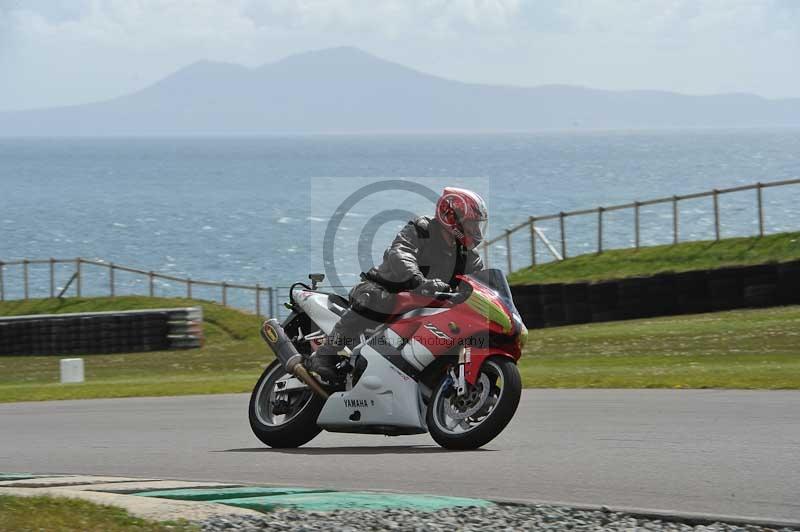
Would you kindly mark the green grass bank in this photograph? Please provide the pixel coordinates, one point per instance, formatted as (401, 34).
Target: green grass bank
(687, 256)
(57, 514)
(232, 358)
(758, 349)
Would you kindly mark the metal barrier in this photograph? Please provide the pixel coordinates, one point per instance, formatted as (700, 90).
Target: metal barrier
(269, 300)
(598, 212)
(80, 265)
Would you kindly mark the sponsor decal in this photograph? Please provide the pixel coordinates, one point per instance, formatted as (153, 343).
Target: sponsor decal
(271, 333)
(436, 331)
(454, 328)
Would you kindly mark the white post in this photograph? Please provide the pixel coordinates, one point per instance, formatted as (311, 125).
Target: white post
(71, 370)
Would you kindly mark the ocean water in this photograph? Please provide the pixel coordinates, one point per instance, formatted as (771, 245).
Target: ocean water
(256, 209)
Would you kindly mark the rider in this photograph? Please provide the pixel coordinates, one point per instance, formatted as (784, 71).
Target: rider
(425, 256)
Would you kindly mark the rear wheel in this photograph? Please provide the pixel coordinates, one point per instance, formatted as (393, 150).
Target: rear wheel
(475, 418)
(283, 419)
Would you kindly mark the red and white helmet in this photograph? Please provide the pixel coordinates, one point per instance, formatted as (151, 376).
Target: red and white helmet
(463, 214)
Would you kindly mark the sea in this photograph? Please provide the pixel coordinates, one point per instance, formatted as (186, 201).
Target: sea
(272, 209)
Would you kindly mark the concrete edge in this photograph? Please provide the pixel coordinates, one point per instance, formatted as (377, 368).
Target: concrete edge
(688, 518)
(144, 507)
(170, 509)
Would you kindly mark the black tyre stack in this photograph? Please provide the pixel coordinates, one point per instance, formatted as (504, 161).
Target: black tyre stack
(762, 285)
(576, 303)
(788, 285)
(551, 297)
(603, 300)
(692, 294)
(102, 332)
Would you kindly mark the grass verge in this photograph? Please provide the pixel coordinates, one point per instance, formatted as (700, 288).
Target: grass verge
(758, 349)
(231, 360)
(750, 349)
(687, 256)
(57, 514)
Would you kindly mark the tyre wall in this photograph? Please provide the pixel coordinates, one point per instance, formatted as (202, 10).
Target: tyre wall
(669, 294)
(102, 332)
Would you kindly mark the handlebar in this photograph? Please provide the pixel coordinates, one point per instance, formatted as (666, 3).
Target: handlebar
(445, 295)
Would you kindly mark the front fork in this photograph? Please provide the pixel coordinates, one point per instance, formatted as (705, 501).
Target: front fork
(459, 374)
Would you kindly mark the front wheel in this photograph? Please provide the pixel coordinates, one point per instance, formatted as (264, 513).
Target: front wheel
(474, 419)
(283, 419)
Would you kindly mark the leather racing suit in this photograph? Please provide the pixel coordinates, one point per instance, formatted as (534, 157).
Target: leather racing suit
(420, 251)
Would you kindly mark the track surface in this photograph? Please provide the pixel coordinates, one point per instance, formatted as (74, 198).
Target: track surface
(706, 451)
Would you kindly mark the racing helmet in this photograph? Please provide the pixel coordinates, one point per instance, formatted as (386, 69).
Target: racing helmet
(463, 214)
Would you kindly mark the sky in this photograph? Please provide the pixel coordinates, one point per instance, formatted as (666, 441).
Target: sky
(63, 52)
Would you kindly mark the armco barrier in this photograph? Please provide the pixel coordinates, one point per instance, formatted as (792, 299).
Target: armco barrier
(102, 332)
(666, 294)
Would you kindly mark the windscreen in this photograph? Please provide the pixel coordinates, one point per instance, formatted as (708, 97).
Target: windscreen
(494, 279)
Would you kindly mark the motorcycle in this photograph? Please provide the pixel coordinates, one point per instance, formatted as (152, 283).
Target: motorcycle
(444, 364)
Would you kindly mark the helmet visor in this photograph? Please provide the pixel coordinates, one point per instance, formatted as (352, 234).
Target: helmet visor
(474, 231)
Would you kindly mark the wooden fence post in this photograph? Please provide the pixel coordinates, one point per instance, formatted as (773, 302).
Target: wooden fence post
(486, 256)
(189, 288)
(52, 278)
(674, 219)
(532, 220)
(224, 294)
(600, 229)
(258, 300)
(759, 186)
(563, 235)
(152, 283)
(25, 278)
(716, 213)
(78, 282)
(271, 302)
(111, 278)
(637, 230)
(2, 287)
(508, 250)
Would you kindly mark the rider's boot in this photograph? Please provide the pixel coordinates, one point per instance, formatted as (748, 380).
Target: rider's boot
(345, 333)
(324, 360)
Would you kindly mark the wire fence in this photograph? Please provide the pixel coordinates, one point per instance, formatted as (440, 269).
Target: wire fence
(536, 238)
(56, 278)
(28, 278)
(87, 277)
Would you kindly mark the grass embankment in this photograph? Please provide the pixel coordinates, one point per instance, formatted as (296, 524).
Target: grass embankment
(231, 360)
(757, 349)
(736, 349)
(686, 256)
(67, 515)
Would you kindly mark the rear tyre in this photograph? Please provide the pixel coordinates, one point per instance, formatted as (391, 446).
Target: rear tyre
(477, 417)
(294, 428)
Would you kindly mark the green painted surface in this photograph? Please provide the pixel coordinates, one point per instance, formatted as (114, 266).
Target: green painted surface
(352, 500)
(221, 494)
(20, 476)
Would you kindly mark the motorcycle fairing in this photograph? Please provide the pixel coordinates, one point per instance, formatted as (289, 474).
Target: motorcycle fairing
(385, 400)
(318, 306)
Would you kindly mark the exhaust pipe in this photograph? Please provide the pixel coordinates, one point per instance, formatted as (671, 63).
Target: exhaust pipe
(276, 338)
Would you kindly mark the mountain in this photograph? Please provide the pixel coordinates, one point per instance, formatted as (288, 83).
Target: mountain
(348, 90)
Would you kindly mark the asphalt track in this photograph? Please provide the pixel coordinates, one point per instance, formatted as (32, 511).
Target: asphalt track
(700, 451)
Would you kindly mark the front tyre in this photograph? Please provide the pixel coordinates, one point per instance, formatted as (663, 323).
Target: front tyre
(284, 421)
(477, 417)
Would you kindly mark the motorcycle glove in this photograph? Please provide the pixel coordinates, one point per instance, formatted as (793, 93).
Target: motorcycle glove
(429, 287)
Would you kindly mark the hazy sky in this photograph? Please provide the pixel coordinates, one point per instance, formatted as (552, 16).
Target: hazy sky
(55, 52)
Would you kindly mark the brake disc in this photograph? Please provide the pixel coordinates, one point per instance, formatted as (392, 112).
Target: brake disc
(467, 405)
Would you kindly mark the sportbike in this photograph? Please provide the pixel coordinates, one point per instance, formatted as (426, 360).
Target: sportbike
(445, 364)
